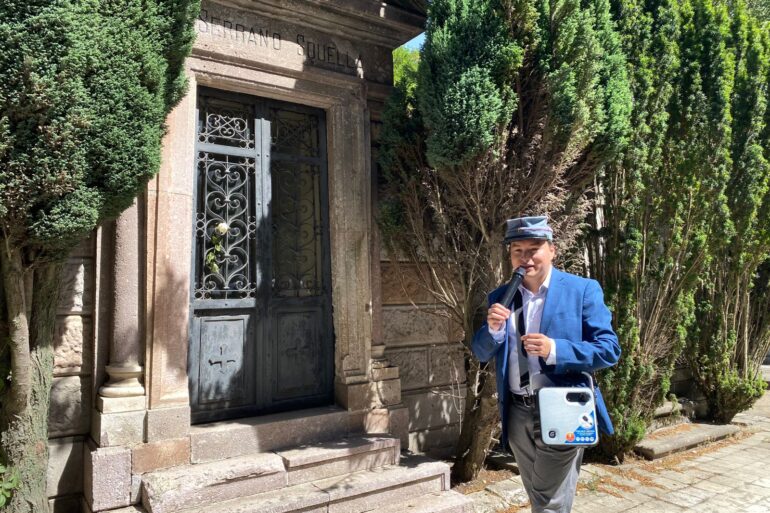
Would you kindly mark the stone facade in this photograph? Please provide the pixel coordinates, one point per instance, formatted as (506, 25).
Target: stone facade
(120, 404)
(72, 389)
(426, 346)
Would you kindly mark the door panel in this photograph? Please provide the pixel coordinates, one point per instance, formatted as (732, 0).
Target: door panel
(225, 362)
(298, 359)
(261, 330)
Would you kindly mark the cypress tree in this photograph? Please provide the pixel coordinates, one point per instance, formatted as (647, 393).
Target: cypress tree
(86, 89)
(636, 241)
(730, 338)
(692, 179)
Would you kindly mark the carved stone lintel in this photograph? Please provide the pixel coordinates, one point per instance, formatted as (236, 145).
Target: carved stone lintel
(123, 381)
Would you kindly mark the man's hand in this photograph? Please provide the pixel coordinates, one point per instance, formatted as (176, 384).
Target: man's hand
(537, 344)
(496, 316)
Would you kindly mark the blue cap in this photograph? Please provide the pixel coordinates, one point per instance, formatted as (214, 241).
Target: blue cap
(533, 227)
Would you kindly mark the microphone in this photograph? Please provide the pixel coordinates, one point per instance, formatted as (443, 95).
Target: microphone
(516, 278)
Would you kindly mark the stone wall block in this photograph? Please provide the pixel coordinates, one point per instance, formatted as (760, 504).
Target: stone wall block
(73, 336)
(70, 408)
(407, 325)
(158, 455)
(353, 396)
(399, 424)
(439, 442)
(447, 364)
(107, 483)
(435, 408)
(113, 429)
(401, 285)
(121, 404)
(377, 421)
(412, 366)
(368, 395)
(455, 330)
(77, 290)
(386, 392)
(393, 420)
(383, 373)
(168, 423)
(65, 466)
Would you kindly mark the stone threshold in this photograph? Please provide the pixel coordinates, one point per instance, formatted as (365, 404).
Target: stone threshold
(266, 433)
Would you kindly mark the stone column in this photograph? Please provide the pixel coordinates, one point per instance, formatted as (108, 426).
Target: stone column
(120, 415)
(350, 222)
(125, 370)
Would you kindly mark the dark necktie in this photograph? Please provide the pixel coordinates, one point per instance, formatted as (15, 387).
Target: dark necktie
(522, 357)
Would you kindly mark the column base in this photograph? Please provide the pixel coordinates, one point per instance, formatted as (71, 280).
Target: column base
(121, 404)
(368, 395)
(393, 420)
(123, 381)
(116, 429)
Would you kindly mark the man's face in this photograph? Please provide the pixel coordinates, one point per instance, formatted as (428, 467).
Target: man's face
(535, 255)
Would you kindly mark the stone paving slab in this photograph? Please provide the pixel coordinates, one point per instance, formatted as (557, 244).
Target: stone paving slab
(730, 476)
(485, 502)
(511, 491)
(437, 502)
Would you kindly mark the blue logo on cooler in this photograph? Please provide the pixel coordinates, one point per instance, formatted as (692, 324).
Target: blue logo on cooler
(585, 432)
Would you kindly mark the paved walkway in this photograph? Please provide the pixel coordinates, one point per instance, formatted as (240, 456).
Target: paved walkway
(731, 476)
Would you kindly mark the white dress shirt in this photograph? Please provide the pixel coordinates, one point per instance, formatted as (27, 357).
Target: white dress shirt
(532, 304)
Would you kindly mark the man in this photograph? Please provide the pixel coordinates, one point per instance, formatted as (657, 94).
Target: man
(561, 328)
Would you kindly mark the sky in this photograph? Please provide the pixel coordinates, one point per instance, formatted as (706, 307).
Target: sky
(415, 43)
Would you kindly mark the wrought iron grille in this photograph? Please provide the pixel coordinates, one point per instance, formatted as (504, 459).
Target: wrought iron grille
(225, 214)
(296, 204)
(221, 124)
(294, 133)
(296, 230)
(225, 227)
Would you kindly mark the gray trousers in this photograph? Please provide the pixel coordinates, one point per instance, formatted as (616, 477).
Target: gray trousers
(549, 473)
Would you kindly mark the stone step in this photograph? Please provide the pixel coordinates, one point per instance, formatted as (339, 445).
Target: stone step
(670, 413)
(679, 438)
(667, 408)
(435, 502)
(180, 487)
(177, 488)
(353, 493)
(311, 463)
(233, 438)
(367, 490)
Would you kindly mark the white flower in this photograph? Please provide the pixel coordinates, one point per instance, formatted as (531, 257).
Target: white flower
(222, 228)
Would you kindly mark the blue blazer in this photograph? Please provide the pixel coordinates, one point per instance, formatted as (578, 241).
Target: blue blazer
(576, 317)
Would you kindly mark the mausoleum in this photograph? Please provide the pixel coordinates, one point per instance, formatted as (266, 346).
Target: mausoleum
(236, 341)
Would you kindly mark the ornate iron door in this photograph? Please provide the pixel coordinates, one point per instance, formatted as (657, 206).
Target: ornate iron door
(261, 330)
